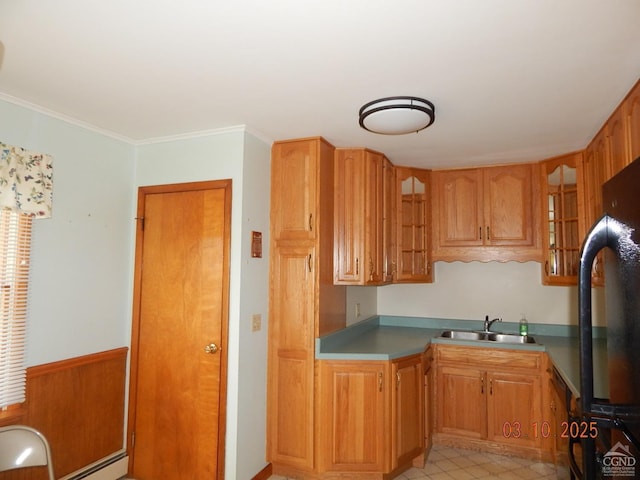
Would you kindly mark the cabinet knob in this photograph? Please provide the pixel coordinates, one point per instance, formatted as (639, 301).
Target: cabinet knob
(211, 348)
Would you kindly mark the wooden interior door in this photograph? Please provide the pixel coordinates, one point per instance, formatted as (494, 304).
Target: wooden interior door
(178, 375)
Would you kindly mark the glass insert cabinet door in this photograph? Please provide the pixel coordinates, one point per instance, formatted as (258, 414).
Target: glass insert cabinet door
(414, 213)
(562, 220)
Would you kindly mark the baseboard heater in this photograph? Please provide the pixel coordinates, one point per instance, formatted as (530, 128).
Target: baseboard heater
(111, 467)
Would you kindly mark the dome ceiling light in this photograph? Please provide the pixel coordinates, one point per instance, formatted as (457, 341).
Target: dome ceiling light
(397, 115)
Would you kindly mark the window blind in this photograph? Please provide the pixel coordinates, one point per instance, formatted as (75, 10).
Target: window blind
(15, 247)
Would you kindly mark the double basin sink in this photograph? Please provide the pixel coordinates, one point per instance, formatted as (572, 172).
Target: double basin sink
(487, 336)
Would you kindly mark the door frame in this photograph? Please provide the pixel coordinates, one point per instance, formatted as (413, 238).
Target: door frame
(135, 324)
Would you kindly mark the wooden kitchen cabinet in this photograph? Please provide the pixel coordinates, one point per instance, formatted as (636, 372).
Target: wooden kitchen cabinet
(557, 417)
(407, 404)
(303, 302)
(462, 404)
(360, 227)
(372, 415)
(616, 131)
(294, 210)
(413, 225)
(389, 224)
(489, 399)
(596, 172)
(514, 408)
(429, 403)
(291, 357)
(354, 407)
(488, 213)
(562, 218)
(632, 116)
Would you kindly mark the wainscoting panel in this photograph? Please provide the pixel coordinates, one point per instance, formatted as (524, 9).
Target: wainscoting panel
(78, 404)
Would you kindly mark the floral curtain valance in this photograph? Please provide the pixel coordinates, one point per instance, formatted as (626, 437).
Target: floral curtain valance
(26, 181)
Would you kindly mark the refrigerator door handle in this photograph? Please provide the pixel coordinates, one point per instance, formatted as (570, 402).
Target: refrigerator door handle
(607, 232)
(596, 240)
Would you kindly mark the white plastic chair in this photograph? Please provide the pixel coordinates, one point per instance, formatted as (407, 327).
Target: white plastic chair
(21, 447)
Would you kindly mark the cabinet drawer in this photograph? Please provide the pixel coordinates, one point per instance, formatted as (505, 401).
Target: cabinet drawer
(489, 357)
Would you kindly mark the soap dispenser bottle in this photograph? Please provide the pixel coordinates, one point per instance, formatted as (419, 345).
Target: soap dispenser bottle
(524, 326)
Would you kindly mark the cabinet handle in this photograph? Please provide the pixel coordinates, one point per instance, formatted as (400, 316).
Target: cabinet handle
(357, 267)
(371, 272)
(482, 384)
(311, 222)
(379, 381)
(397, 380)
(480, 233)
(488, 233)
(309, 262)
(491, 386)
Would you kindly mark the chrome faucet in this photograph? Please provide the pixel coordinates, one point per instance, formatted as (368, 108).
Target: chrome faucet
(488, 323)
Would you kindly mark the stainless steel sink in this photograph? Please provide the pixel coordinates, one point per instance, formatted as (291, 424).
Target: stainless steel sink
(487, 336)
(510, 338)
(463, 335)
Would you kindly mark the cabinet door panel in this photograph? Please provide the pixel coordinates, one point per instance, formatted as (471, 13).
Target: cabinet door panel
(460, 217)
(408, 408)
(508, 205)
(358, 217)
(619, 157)
(291, 363)
(293, 212)
(596, 173)
(413, 214)
(514, 414)
(461, 402)
(633, 122)
(388, 221)
(562, 218)
(349, 187)
(353, 405)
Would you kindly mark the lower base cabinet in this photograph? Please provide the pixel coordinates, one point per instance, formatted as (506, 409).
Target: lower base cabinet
(490, 399)
(372, 416)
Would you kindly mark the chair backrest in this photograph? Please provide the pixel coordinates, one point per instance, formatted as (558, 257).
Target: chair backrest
(21, 447)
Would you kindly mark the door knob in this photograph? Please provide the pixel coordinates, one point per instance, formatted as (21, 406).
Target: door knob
(211, 348)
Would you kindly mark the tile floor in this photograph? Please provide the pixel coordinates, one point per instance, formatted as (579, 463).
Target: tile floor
(446, 463)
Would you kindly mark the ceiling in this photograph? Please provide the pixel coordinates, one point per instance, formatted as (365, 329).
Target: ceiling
(511, 80)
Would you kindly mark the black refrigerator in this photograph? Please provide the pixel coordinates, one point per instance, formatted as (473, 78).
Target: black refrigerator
(610, 428)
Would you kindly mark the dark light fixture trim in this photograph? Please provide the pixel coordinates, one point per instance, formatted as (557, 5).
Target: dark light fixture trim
(397, 115)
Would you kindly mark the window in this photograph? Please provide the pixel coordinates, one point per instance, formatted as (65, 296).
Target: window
(15, 246)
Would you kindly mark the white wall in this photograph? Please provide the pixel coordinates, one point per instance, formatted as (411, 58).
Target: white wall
(82, 256)
(245, 160)
(250, 448)
(472, 290)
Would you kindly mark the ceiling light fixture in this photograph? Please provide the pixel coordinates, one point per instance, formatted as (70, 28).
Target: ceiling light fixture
(397, 115)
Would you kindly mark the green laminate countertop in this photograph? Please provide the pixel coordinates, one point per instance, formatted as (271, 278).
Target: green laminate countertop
(390, 337)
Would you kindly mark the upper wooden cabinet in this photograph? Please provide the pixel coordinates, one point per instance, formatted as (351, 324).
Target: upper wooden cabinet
(562, 218)
(294, 211)
(616, 132)
(596, 172)
(413, 226)
(360, 223)
(632, 114)
(487, 213)
(623, 132)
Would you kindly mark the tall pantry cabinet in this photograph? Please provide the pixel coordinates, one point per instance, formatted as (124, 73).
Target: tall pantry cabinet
(303, 302)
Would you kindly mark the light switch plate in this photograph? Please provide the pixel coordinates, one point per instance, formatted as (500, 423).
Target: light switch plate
(256, 322)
